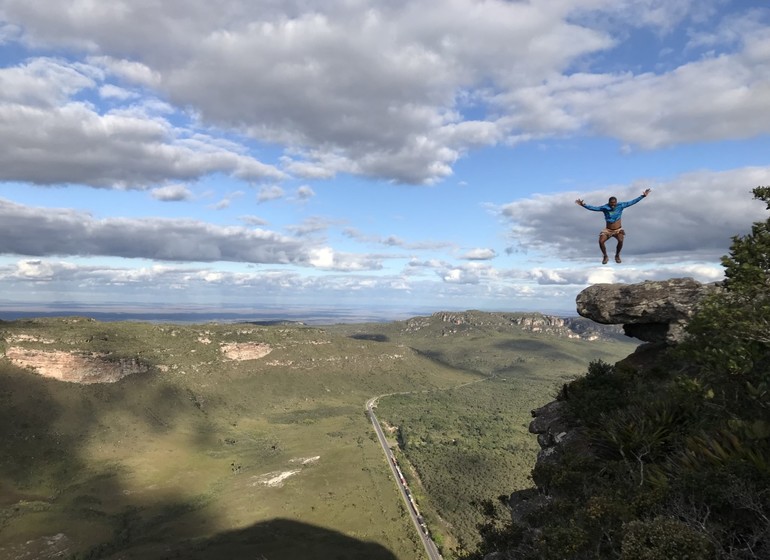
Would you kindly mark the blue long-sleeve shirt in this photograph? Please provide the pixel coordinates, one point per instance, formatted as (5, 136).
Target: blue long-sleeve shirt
(612, 215)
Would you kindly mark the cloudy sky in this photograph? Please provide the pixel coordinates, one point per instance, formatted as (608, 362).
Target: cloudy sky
(370, 154)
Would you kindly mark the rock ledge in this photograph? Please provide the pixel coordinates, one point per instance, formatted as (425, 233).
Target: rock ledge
(652, 311)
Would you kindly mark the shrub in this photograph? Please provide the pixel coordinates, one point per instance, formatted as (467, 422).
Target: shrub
(557, 542)
(603, 390)
(663, 538)
(638, 433)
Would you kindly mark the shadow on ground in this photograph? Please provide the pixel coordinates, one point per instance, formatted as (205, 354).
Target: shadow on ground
(371, 336)
(56, 502)
(277, 539)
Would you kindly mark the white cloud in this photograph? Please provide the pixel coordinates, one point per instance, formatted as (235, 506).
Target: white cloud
(310, 226)
(226, 201)
(171, 193)
(729, 32)
(471, 273)
(395, 241)
(51, 139)
(326, 258)
(545, 276)
(459, 276)
(131, 71)
(367, 88)
(378, 89)
(416, 266)
(156, 96)
(479, 254)
(73, 144)
(322, 257)
(715, 98)
(268, 193)
(153, 282)
(8, 33)
(41, 83)
(690, 217)
(305, 192)
(46, 231)
(110, 91)
(253, 220)
(660, 15)
(606, 274)
(34, 270)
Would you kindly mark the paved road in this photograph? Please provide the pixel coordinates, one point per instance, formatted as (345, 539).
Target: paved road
(430, 546)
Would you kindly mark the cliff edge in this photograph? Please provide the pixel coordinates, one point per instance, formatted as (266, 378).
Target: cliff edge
(655, 312)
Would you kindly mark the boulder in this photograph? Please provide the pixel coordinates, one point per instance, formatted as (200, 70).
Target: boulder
(556, 435)
(653, 311)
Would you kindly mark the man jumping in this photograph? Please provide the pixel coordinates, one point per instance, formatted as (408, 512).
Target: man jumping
(613, 210)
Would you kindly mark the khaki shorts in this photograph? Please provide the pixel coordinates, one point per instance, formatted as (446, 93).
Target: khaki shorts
(611, 232)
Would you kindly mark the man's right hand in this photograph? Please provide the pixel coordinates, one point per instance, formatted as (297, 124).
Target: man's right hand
(579, 202)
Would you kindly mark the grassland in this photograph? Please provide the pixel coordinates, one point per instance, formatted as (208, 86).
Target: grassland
(205, 457)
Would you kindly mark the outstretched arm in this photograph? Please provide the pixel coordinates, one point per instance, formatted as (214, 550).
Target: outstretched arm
(634, 201)
(580, 202)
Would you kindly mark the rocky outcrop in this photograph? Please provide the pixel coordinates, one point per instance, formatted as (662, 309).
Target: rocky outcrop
(652, 311)
(75, 367)
(245, 350)
(464, 322)
(556, 436)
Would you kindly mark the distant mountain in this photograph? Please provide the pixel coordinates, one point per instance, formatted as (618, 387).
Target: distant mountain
(446, 323)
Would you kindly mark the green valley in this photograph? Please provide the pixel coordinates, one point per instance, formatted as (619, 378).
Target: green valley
(248, 440)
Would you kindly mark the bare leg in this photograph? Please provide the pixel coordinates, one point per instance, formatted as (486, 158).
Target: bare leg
(619, 247)
(602, 239)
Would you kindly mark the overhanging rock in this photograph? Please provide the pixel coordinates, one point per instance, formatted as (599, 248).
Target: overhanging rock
(652, 311)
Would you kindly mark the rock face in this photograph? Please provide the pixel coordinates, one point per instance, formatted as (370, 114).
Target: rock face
(652, 311)
(75, 367)
(556, 436)
(245, 350)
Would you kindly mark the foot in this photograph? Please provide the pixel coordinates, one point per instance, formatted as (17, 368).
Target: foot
(605, 259)
(617, 259)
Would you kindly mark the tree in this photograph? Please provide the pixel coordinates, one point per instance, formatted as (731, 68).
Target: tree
(740, 312)
(747, 268)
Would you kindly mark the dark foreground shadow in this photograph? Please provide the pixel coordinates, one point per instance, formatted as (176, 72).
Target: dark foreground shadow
(278, 539)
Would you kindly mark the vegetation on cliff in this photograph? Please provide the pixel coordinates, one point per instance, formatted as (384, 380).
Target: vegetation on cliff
(676, 462)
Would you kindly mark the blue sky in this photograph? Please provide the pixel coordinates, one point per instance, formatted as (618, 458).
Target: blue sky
(372, 155)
